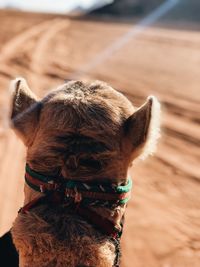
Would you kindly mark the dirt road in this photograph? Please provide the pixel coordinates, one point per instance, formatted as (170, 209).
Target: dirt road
(163, 218)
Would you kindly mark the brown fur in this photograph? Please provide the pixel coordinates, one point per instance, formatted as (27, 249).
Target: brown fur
(82, 131)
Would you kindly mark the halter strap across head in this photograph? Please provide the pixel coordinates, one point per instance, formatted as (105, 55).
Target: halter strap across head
(89, 191)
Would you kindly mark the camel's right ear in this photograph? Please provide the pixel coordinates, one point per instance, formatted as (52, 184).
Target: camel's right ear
(25, 110)
(142, 128)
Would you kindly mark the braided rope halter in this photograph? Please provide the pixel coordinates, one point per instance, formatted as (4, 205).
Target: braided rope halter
(80, 197)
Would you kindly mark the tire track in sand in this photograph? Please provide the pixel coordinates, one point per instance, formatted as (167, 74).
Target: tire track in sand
(38, 56)
(13, 155)
(17, 42)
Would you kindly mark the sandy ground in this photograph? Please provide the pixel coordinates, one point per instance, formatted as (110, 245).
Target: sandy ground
(163, 218)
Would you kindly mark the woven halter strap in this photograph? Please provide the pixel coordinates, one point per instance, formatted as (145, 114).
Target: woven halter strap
(89, 193)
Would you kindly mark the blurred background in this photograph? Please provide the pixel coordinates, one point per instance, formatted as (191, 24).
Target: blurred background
(140, 47)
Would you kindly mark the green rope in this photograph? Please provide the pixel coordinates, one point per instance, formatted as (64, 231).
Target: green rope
(124, 188)
(41, 177)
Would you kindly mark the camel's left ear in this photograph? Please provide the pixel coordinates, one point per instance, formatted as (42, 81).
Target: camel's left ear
(25, 110)
(142, 129)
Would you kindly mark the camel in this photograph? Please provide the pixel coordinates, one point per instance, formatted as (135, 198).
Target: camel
(81, 140)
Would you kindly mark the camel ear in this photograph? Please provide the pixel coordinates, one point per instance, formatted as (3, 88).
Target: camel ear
(142, 129)
(25, 110)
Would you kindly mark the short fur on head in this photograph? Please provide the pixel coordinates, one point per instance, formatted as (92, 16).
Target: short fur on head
(85, 131)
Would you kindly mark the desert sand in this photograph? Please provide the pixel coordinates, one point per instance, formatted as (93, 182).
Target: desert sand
(163, 218)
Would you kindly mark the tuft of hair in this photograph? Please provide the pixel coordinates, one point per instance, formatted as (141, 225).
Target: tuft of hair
(13, 84)
(6, 111)
(154, 129)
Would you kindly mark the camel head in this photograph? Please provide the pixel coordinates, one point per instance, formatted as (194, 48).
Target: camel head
(84, 131)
